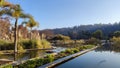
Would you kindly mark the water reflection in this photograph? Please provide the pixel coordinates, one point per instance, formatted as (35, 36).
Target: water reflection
(23, 56)
(38, 53)
(30, 54)
(107, 56)
(100, 63)
(111, 48)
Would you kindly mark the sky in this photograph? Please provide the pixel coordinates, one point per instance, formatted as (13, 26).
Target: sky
(67, 13)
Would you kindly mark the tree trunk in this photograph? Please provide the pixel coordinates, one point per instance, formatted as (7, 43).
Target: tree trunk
(15, 36)
(31, 34)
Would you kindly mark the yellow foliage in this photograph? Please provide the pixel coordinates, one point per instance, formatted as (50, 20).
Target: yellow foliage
(16, 14)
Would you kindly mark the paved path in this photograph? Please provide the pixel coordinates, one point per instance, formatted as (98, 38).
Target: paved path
(65, 58)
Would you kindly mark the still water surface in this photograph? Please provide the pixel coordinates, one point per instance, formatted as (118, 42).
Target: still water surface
(98, 58)
(31, 54)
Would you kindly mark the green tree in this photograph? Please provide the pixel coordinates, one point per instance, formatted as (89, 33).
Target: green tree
(98, 34)
(117, 34)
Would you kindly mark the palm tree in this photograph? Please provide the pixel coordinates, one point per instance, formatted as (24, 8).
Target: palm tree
(16, 15)
(13, 11)
(4, 3)
(31, 23)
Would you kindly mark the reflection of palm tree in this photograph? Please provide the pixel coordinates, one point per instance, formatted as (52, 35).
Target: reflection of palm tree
(99, 63)
(34, 54)
(15, 56)
(18, 57)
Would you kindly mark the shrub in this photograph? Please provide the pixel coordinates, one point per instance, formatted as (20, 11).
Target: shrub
(50, 58)
(69, 51)
(34, 43)
(39, 62)
(93, 41)
(20, 49)
(28, 64)
(46, 44)
(7, 66)
(116, 42)
(25, 43)
(6, 45)
(75, 50)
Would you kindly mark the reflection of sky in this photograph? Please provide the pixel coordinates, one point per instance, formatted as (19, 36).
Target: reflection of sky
(93, 59)
(58, 49)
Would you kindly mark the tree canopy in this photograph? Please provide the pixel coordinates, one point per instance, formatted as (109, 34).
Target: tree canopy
(117, 33)
(97, 34)
(61, 37)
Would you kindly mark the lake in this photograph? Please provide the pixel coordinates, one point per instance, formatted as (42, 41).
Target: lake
(102, 57)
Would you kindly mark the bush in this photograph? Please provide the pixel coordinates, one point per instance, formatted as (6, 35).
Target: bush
(28, 64)
(6, 45)
(93, 41)
(7, 66)
(116, 42)
(25, 43)
(69, 51)
(50, 58)
(34, 43)
(75, 50)
(20, 49)
(46, 44)
(37, 62)
(60, 55)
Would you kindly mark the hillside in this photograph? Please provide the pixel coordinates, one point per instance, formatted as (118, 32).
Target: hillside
(85, 31)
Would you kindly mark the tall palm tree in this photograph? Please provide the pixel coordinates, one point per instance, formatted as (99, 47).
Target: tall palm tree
(13, 11)
(4, 3)
(31, 23)
(16, 15)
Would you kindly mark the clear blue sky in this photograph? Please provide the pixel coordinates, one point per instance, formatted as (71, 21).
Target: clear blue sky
(67, 13)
